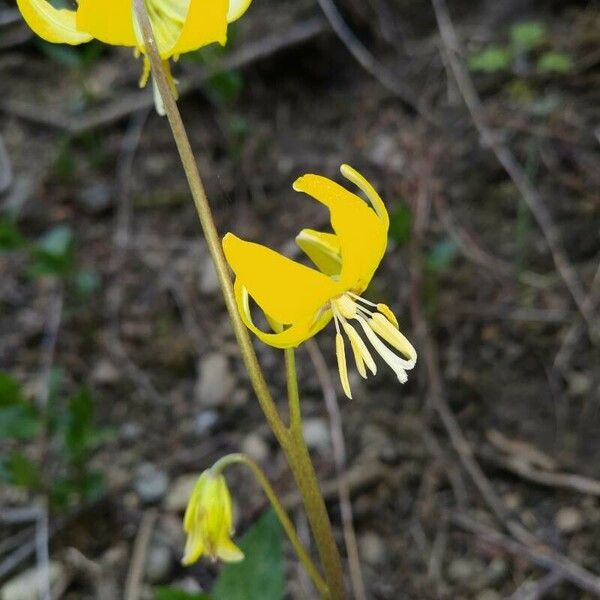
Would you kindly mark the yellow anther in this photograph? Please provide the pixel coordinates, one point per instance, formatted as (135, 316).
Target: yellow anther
(340, 352)
(385, 310)
(392, 336)
(362, 355)
(145, 72)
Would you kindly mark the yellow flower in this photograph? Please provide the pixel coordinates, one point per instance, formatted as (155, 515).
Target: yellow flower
(179, 25)
(299, 301)
(208, 521)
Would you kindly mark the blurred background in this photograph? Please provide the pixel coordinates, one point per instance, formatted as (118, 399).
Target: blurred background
(120, 381)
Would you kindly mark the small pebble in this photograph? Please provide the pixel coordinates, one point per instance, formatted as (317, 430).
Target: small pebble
(180, 492)
(95, 198)
(209, 282)
(216, 380)
(316, 434)
(130, 431)
(255, 447)
(568, 519)
(205, 421)
(105, 373)
(488, 595)
(463, 569)
(25, 585)
(151, 483)
(159, 563)
(372, 548)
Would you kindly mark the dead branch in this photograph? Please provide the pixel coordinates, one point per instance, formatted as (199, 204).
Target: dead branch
(128, 104)
(369, 63)
(570, 341)
(524, 470)
(537, 554)
(540, 588)
(133, 586)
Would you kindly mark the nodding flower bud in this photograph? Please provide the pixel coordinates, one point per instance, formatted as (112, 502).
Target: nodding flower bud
(208, 521)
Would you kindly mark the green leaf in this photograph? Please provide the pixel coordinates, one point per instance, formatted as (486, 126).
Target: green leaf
(86, 283)
(62, 54)
(171, 593)
(10, 391)
(555, 62)
(19, 422)
(19, 470)
(225, 87)
(79, 432)
(10, 236)
(401, 224)
(527, 35)
(18, 418)
(54, 253)
(57, 242)
(490, 60)
(260, 574)
(441, 255)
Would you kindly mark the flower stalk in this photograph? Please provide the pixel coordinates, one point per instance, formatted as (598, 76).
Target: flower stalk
(291, 440)
(285, 521)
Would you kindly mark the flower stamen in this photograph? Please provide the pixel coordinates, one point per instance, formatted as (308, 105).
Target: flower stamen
(377, 324)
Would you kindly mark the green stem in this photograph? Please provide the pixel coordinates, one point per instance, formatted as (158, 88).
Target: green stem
(292, 387)
(291, 440)
(206, 220)
(308, 484)
(285, 521)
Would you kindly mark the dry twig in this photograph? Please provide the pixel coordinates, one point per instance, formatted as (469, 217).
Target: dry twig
(121, 237)
(540, 588)
(523, 469)
(133, 586)
(369, 63)
(437, 395)
(134, 102)
(538, 555)
(570, 341)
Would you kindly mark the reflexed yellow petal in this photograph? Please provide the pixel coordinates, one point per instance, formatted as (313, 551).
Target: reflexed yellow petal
(286, 290)
(323, 249)
(194, 548)
(340, 353)
(192, 505)
(52, 24)
(288, 338)
(362, 234)
(110, 21)
(357, 179)
(236, 9)
(206, 23)
(226, 550)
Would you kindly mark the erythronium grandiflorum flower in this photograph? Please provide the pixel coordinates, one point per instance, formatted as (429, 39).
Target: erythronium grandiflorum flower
(179, 25)
(299, 301)
(208, 521)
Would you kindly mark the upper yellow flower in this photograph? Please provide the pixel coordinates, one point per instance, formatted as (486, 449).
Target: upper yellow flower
(208, 521)
(179, 25)
(299, 301)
